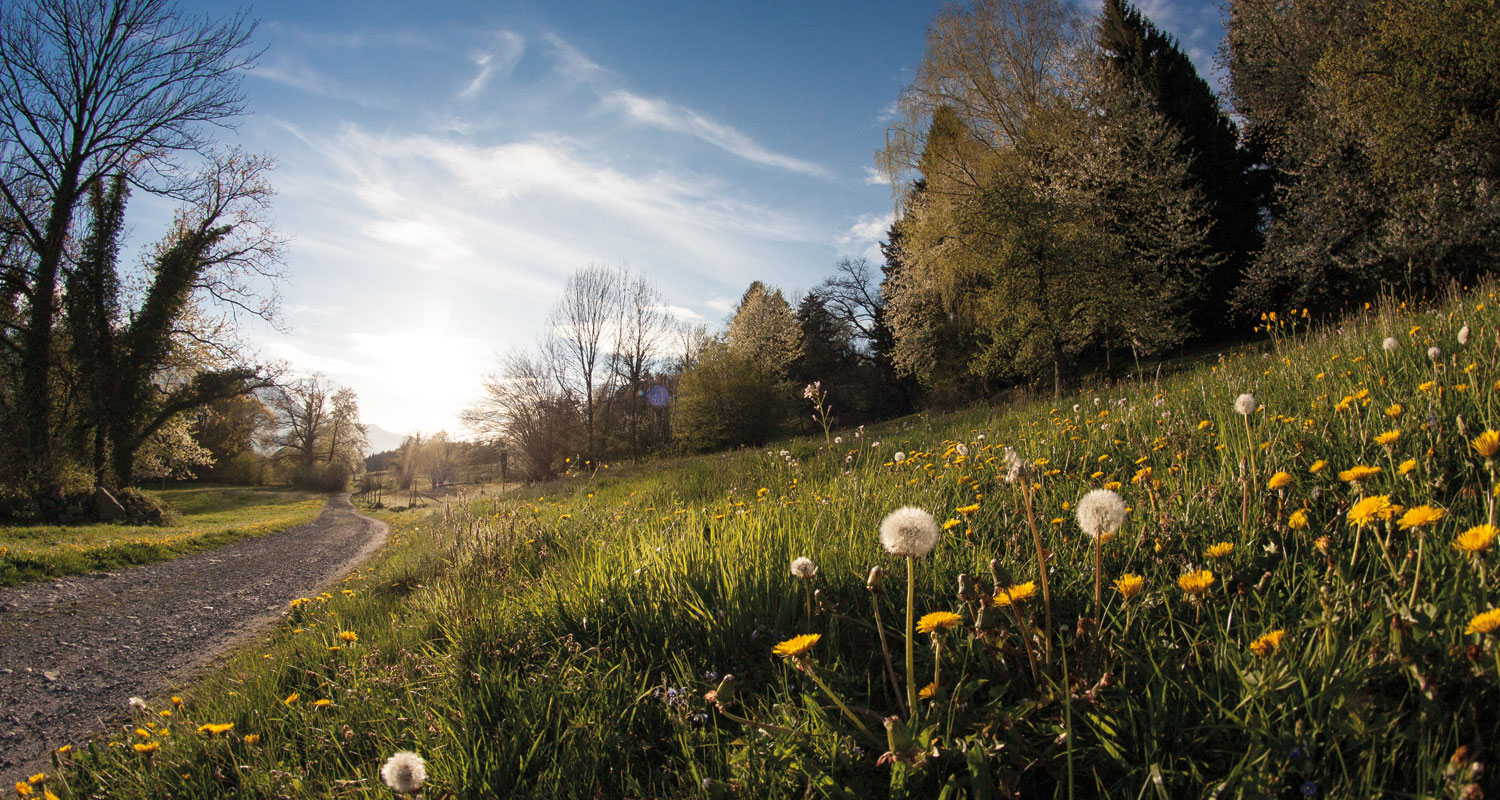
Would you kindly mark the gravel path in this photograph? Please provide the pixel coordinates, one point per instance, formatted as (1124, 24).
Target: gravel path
(73, 651)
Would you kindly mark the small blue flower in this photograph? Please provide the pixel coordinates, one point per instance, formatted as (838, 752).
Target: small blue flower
(1296, 754)
(711, 675)
(1310, 789)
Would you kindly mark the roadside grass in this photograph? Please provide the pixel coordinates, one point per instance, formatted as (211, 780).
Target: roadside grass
(564, 643)
(211, 516)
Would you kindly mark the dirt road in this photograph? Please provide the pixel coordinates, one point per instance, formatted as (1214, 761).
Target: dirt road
(73, 651)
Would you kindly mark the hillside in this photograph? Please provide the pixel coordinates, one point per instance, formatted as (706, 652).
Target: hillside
(1297, 604)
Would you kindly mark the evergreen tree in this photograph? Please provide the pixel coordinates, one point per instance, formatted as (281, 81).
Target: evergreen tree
(1221, 170)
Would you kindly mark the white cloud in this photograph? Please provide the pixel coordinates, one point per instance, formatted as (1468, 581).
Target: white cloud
(570, 62)
(679, 313)
(874, 177)
(301, 76)
(865, 235)
(677, 119)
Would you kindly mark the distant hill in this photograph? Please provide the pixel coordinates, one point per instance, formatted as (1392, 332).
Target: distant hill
(382, 440)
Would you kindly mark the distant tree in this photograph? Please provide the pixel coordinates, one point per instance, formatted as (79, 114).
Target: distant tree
(441, 458)
(90, 89)
(642, 326)
(828, 355)
(764, 328)
(579, 323)
(729, 397)
(228, 429)
(524, 408)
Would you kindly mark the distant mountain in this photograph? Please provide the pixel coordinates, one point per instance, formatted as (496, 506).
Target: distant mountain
(382, 440)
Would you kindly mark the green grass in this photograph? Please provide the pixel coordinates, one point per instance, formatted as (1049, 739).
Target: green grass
(561, 644)
(211, 516)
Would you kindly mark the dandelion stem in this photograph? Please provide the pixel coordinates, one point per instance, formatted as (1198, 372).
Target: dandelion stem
(1416, 582)
(808, 668)
(1041, 566)
(911, 672)
(885, 649)
(1026, 642)
(1099, 576)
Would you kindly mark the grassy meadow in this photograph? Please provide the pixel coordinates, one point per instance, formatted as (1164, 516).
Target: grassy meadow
(1294, 607)
(208, 517)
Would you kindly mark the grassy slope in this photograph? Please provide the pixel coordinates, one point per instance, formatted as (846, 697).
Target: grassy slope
(211, 516)
(560, 646)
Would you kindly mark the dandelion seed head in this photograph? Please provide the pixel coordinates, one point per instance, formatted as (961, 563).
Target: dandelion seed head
(137, 704)
(404, 772)
(1434, 352)
(899, 457)
(1463, 336)
(1101, 512)
(1390, 344)
(909, 531)
(804, 568)
(1245, 404)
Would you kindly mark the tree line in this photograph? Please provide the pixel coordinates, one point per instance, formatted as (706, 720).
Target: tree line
(1071, 196)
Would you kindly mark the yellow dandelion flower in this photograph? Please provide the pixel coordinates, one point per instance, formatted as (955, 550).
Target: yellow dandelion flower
(22, 790)
(1476, 539)
(966, 510)
(1021, 592)
(1358, 473)
(1280, 480)
(215, 728)
(1129, 585)
(349, 636)
(1298, 520)
(1268, 643)
(938, 621)
(1317, 466)
(37, 778)
(146, 747)
(1323, 543)
(1196, 582)
(797, 645)
(1219, 550)
(927, 692)
(1388, 438)
(1395, 410)
(1369, 509)
(321, 703)
(252, 738)
(1484, 622)
(1406, 466)
(1485, 444)
(292, 698)
(1420, 517)
(177, 701)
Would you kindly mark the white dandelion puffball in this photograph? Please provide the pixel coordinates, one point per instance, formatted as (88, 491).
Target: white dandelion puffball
(804, 568)
(980, 437)
(838, 440)
(963, 450)
(404, 772)
(909, 531)
(899, 457)
(1433, 352)
(1245, 404)
(1101, 512)
(1015, 468)
(1390, 344)
(1463, 336)
(137, 704)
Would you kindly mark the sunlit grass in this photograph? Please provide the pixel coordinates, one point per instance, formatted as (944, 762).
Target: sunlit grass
(210, 516)
(563, 643)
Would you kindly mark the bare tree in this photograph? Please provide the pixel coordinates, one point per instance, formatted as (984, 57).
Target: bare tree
(523, 408)
(91, 88)
(851, 296)
(642, 325)
(302, 414)
(578, 325)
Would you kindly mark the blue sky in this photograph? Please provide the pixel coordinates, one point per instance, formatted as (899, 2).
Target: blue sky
(443, 170)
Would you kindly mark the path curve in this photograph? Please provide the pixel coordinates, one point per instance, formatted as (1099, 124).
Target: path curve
(73, 651)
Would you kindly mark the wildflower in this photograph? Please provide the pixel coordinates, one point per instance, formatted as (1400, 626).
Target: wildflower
(1298, 520)
(1369, 509)
(1279, 481)
(1196, 582)
(1425, 386)
(215, 728)
(1219, 550)
(1245, 404)
(137, 704)
(909, 531)
(1390, 344)
(1101, 512)
(967, 510)
(291, 698)
(1317, 466)
(962, 449)
(349, 636)
(1388, 438)
(952, 523)
(797, 645)
(1486, 444)
(1268, 643)
(1484, 622)
(1476, 539)
(1129, 585)
(899, 457)
(1323, 543)
(22, 790)
(176, 701)
(252, 738)
(1406, 466)
(404, 772)
(928, 691)
(1420, 517)
(1434, 353)
(938, 621)
(1016, 469)
(1015, 594)
(1463, 336)
(1395, 410)
(146, 747)
(804, 568)
(876, 577)
(320, 703)
(1358, 473)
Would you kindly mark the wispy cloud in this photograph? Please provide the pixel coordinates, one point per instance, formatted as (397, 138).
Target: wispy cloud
(570, 62)
(874, 177)
(300, 76)
(500, 60)
(864, 236)
(677, 119)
